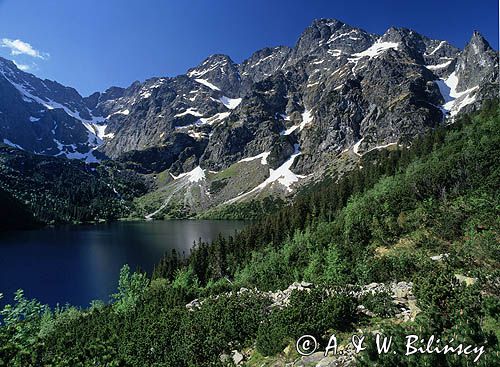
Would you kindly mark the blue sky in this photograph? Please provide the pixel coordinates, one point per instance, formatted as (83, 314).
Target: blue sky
(92, 44)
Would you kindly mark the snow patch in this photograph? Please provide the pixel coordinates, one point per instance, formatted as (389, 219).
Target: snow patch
(87, 157)
(454, 101)
(282, 175)
(215, 118)
(207, 84)
(196, 175)
(289, 130)
(146, 92)
(376, 49)
(439, 66)
(196, 135)
(11, 144)
(307, 118)
(378, 147)
(335, 52)
(125, 112)
(261, 156)
(261, 60)
(355, 147)
(206, 120)
(230, 103)
(343, 35)
(100, 131)
(189, 111)
(198, 72)
(441, 44)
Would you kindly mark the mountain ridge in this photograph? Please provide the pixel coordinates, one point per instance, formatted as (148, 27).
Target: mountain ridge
(339, 92)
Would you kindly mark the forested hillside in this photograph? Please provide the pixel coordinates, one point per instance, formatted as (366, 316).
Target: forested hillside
(427, 215)
(58, 190)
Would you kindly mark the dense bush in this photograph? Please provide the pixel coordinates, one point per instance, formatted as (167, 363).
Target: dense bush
(379, 303)
(309, 313)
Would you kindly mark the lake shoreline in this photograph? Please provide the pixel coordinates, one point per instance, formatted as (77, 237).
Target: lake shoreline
(119, 220)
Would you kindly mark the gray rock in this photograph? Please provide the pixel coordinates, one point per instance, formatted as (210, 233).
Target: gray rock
(224, 358)
(465, 279)
(237, 357)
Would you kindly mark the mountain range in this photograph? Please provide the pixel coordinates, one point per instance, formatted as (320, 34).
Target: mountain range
(225, 133)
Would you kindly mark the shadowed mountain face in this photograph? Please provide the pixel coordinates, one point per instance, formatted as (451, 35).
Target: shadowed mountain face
(294, 110)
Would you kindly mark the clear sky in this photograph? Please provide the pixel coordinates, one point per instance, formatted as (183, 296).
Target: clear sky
(94, 44)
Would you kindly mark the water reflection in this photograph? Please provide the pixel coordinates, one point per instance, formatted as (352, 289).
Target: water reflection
(76, 264)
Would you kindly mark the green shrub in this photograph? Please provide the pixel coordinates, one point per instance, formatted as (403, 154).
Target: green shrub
(311, 312)
(130, 289)
(379, 303)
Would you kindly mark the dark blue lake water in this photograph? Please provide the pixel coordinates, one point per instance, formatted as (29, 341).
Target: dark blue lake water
(78, 264)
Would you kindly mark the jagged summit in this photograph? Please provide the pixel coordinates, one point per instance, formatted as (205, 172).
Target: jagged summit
(330, 22)
(478, 43)
(477, 64)
(218, 72)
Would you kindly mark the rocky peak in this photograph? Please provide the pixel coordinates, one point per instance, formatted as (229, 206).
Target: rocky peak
(46, 92)
(264, 53)
(401, 34)
(262, 64)
(420, 48)
(220, 72)
(113, 93)
(322, 28)
(211, 62)
(478, 43)
(316, 35)
(408, 41)
(96, 98)
(92, 100)
(477, 64)
(45, 117)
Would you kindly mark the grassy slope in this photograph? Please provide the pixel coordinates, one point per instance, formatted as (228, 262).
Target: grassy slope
(188, 199)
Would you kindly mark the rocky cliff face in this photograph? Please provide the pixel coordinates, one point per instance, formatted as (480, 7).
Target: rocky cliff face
(339, 90)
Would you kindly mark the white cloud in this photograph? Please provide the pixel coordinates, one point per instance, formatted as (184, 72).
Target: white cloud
(18, 47)
(23, 67)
